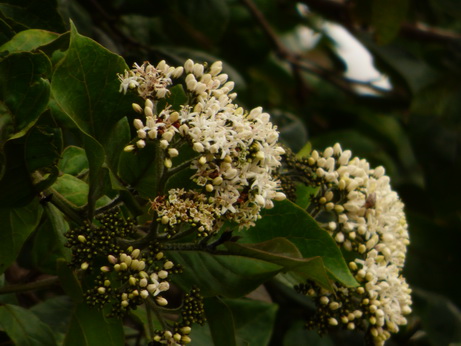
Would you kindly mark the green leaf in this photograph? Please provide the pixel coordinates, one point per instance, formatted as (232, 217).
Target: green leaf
(29, 40)
(221, 322)
(24, 328)
(56, 312)
(254, 320)
(284, 253)
(95, 154)
(49, 240)
(226, 275)
(73, 189)
(17, 225)
(386, 18)
(73, 161)
(24, 92)
(114, 147)
(69, 281)
(139, 169)
(86, 87)
(292, 222)
(90, 327)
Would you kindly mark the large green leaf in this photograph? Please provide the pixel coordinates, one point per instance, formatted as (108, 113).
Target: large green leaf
(29, 40)
(56, 312)
(86, 87)
(17, 225)
(90, 327)
(225, 275)
(292, 222)
(221, 322)
(24, 92)
(283, 252)
(48, 241)
(24, 327)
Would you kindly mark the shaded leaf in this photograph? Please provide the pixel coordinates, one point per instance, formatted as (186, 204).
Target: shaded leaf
(48, 241)
(56, 313)
(226, 275)
(254, 320)
(24, 92)
(90, 327)
(441, 319)
(41, 14)
(17, 225)
(24, 328)
(15, 184)
(221, 322)
(69, 281)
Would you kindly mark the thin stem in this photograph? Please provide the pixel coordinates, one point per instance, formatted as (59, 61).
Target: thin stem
(67, 208)
(169, 173)
(30, 286)
(159, 167)
(153, 306)
(112, 204)
(144, 241)
(149, 322)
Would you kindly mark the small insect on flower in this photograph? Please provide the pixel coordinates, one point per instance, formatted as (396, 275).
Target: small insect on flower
(370, 202)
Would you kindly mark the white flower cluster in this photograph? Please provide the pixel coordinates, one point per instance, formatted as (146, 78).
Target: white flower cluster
(367, 217)
(236, 151)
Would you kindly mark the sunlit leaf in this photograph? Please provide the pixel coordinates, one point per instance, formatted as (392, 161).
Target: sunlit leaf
(29, 40)
(292, 222)
(73, 161)
(86, 87)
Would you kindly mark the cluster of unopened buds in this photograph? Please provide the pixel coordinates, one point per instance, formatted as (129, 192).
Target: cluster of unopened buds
(141, 283)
